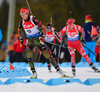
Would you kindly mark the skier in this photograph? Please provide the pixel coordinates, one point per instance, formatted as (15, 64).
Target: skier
(10, 43)
(50, 37)
(30, 25)
(72, 31)
(90, 42)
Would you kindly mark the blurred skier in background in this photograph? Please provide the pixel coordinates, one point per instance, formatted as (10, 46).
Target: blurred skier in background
(72, 31)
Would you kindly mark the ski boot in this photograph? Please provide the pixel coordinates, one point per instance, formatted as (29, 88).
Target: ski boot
(34, 75)
(62, 74)
(73, 70)
(95, 69)
(49, 69)
(60, 71)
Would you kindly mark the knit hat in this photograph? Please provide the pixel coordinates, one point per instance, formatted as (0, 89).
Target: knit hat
(89, 17)
(70, 21)
(24, 10)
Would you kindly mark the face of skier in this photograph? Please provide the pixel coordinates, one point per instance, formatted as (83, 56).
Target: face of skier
(49, 28)
(24, 12)
(24, 16)
(71, 26)
(70, 23)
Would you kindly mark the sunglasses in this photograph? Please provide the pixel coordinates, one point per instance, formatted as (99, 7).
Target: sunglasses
(48, 28)
(22, 13)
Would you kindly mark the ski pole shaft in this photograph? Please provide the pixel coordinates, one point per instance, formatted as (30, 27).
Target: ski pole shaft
(51, 19)
(59, 54)
(29, 6)
(58, 45)
(70, 14)
(88, 49)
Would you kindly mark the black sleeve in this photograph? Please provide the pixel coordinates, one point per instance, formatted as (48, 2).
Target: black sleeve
(35, 20)
(20, 25)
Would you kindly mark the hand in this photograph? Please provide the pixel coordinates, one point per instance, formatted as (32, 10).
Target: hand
(43, 36)
(94, 37)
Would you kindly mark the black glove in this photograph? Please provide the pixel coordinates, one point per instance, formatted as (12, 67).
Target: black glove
(42, 36)
(95, 37)
(83, 42)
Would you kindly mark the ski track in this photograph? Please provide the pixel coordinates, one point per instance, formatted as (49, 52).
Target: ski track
(81, 73)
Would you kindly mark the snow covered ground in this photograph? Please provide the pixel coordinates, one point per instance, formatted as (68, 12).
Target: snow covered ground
(81, 73)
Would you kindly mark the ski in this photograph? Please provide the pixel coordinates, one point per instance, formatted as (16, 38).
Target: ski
(66, 77)
(28, 80)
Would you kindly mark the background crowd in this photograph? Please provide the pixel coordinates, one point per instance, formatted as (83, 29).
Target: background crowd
(46, 8)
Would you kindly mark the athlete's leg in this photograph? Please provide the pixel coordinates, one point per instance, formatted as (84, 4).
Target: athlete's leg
(49, 65)
(45, 51)
(86, 50)
(81, 50)
(72, 53)
(88, 60)
(29, 53)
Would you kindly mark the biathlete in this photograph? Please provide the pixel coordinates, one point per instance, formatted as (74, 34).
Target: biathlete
(30, 25)
(72, 31)
(50, 36)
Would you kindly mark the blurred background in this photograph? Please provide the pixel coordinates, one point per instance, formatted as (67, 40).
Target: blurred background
(43, 9)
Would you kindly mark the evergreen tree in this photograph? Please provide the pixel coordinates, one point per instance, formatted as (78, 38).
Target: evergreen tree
(4, 18)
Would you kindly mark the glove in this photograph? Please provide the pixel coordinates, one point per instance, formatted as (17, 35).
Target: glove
(83, 42)
(41, 38)
(94, 37)
(21, 40)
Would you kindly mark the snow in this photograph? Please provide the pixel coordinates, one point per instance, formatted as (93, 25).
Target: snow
(81, 73)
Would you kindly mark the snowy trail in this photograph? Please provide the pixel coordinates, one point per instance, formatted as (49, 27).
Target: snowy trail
(81, 73)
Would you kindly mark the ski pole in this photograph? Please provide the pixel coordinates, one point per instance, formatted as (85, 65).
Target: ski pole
(38, 60)
(70, 13)
(88, 49)
(59, 54)
(51, 19)
(29, 6)
(58, 45)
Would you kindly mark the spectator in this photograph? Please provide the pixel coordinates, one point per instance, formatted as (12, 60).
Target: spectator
(89, 41)
(19, 50)
(10, 46)
(3, 51)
